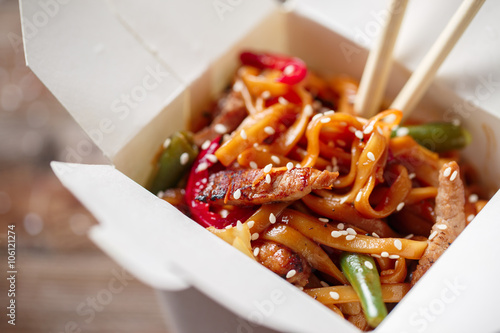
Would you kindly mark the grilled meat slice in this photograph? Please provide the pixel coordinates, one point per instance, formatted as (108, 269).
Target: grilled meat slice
(250, 186)
(450, 217)
(281, 260)
(229, 113)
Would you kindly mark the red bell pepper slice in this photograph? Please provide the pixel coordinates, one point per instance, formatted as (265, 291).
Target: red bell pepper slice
(198, 179)
(293, 69)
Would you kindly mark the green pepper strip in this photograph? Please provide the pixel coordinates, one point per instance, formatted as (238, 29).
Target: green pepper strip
(361, 271)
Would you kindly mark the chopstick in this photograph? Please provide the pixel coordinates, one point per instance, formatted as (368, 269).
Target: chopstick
(378, 64)
(420, 80)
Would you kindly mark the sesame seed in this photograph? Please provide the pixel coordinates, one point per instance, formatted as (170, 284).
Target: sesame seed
(239, 225)
(288, 70)
(358, 196)
(394, 256)
(255, 236)
(266, 94)
(343, 232)
(398, 244)
(412, 175)
(340, 226)
(473, 198)
(237, 194)
(275, 159)
(375, 256)
(433, 234)
(250, 224)
(289, 165)
(282, 100)
(166, 143)
(389, 119)
(325, 120)
(268, 168)
(272, 218)
(238, 86)
(402, 131)
(374, 234)
(368, 264)
(368, 129)
(268, 178)
(269, 130)
(308, 110)
(441, 226)
(202, 166)
(336, 234)
(341, 143)
(228, 227)
(379, 130)
(400, 206)
(316, 116)
(359, 134)
(334, 295)
(291, 273)
(205, 144)
(253, 165)
(352, 129)
(212, 158)
(384, 254)
(297, 165)
(350, 237)
(160, 194)
(410, 236)
(329, 112)
(454, 175)
(351, 231)
(470, 217)
(224, 213)
(184, 158)
(256, 251)
(221, 129)
(300, 288)
(370, 156)
(324, 219)
(243, 134)
(334, 160)
(324, 284)
(447, 172)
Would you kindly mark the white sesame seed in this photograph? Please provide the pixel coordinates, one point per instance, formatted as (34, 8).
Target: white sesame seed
(410, 236)
(243, 134)
(221, 129)
(253, 165)
(454, 175)
(384, 254)
(202, 166)
(400, 206)
(336, 234)
(291, 273)
(368, 129)
(324, 284)
(470, 217)
(166, 143)
(375, 256)
(341, 143)
(379, 130)
(297, 165)
(212, 158)
(184, 158)
(275, 159)
(359, 134)
(255, 236)
(340, 226)
(205, 144)
(300, 288)
(441, 226)
(350, 237)
(256, 251)
(324, 219)
(473, 198)
(269, 130)
(250, 224)
(228, 227)
(329, 112)
(358, 196)
(398, 244)
(282, 100)
(412, 175)
(268, 178)
(308, 110)
(351, 231)
(268, 168)
(238, 86)
(237, 194)
(289, 165)
(389, 119)
(325, 120)
(447, 172)
(266, 94)
(334, 295)
(316, 116)
(160, 194)
(352, 129)
(374, 234)
(368, 264)
(370, 156)
(288, 70)
(402, 131)
(239, 225)
(272, 218)
(343, 232)
(224, 213)
(433, 234)
(394, 256)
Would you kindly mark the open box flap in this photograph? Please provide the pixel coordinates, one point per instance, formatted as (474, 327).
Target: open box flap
(136, 230)
(101, 74)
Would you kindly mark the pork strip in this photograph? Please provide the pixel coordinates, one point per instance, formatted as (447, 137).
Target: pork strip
(249, 186)
(229, 113)
(450, 217)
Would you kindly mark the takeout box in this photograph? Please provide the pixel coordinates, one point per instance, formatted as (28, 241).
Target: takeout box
(131, 73)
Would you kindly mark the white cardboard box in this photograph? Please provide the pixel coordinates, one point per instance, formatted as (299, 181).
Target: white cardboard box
(133, 72)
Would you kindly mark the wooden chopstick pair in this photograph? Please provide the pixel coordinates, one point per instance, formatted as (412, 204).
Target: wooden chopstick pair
(378, 65)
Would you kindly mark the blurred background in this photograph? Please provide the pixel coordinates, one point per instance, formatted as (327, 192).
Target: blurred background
(64, 282)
